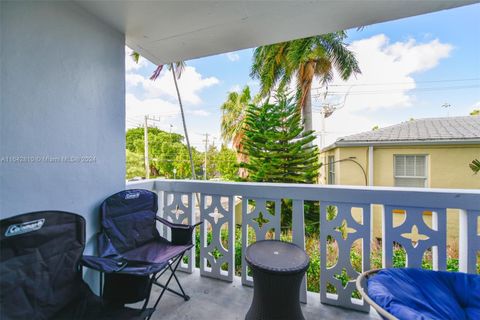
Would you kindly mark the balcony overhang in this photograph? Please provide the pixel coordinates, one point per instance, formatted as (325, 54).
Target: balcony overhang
(167, 31)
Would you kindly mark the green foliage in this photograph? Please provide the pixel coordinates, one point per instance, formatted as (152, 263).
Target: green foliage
(233, 115)
(135, 56)
(475, 166)
(279, 150)
(135, 165)
(475, 112)
(168, 152)
(278, 65)
(165, 151)
(277, 147)
(225, 162)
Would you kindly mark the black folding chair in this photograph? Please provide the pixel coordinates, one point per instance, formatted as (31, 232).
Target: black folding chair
(129, 235)
(40, 271)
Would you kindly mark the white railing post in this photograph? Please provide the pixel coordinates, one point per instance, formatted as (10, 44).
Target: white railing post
(298, 237)
(469, 240)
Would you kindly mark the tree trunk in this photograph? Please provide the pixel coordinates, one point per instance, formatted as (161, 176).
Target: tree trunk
(307, 112)
(192, 166)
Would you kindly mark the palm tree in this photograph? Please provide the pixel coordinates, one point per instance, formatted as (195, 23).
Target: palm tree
(278, 64)
(475, 166)
(179, 66)
(233, 122)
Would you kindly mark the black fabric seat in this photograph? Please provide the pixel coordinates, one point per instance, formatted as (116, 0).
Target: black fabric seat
(40, 272)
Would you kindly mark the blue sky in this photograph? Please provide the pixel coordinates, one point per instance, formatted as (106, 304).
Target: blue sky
(410, 68)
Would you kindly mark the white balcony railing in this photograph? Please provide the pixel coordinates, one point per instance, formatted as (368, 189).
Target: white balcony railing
(351, 223)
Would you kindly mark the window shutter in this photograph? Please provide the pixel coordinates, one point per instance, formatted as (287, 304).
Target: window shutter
(410, 171)
(399, 165)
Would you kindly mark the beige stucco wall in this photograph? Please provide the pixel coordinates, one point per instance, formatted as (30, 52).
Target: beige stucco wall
(347, 172)
(447, 167)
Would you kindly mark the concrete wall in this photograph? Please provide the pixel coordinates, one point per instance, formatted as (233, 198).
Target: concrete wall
(62, 94)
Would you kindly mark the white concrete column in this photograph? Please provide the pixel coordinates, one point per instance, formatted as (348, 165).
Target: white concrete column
(370, 165)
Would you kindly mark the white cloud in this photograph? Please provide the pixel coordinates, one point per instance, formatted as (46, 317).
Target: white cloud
(136, 109)
(200, 113)
(134, 79)
(191, 83)
(235, 88)
(386, 82)
(232, 56)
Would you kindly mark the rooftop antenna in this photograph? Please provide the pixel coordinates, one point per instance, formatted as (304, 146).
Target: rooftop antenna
(446, 105)
(327, 109)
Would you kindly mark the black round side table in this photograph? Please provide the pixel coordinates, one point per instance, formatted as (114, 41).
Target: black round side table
(278, 268)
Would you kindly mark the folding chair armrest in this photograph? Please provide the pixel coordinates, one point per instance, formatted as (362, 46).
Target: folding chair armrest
(171, 224)
(177, 225)
(107, 265)
(181, 233)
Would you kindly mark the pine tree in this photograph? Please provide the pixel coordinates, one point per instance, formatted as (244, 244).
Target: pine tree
(278, 150)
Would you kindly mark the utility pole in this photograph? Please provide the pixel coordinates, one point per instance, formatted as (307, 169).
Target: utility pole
(145, 138)
(205, 163)
(214, 142)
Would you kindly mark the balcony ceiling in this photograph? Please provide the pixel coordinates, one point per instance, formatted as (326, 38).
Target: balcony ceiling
(166, 31)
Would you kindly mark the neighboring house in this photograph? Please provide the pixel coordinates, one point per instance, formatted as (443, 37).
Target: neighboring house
(424, 153)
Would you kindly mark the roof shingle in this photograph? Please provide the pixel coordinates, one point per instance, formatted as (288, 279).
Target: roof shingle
(428, 130)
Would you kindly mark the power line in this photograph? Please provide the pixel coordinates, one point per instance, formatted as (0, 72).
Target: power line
(397, 83)
(396, 91)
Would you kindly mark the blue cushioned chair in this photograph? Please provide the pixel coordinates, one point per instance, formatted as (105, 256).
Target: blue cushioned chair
(411, 293)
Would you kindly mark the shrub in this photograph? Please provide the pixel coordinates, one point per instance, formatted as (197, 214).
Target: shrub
(312, 249)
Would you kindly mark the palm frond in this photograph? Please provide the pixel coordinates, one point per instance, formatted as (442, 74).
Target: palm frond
(475, 166)
(233, 116)
(135, 56)
(157, 72)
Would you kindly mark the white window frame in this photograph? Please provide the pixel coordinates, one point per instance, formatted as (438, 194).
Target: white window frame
(395, 176)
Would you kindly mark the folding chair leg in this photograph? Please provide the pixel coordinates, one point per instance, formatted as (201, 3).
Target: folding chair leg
(152, 280)
(165, 286)
(183, 295)
(179, 285)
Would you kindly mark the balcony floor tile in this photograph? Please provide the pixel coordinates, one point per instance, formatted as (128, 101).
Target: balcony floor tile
(219, 300)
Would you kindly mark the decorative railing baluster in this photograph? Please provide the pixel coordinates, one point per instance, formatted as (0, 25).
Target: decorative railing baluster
(339, 225)
(216, 259)
(351, 225)
(262, 216)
